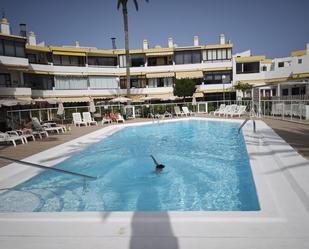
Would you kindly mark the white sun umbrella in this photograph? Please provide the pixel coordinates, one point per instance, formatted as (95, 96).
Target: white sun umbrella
(194, 101)
(120, 99)
(92, 107)
(60, 110)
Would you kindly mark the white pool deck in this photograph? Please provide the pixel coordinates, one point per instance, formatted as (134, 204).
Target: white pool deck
(281, 177)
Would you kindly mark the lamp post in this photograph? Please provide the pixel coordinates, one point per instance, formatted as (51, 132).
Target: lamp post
(223, 79)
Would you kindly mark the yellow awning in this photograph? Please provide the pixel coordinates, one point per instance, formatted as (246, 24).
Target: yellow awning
(159, 54)
(160, 75)
(69, 53)
(189, 75)
(250, 58)
(75, 100)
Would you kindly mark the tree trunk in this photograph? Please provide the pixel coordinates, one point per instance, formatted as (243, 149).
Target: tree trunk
(126, 38)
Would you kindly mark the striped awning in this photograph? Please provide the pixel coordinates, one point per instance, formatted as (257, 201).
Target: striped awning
(189, 75)
(101, 97)
(69, 53)
(160, 75)
(75, 100)
(198, 95)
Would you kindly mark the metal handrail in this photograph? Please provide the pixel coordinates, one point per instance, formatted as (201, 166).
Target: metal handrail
(243, 124)
(47, 168)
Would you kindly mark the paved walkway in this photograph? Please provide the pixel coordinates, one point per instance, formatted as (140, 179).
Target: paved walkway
(297, 135)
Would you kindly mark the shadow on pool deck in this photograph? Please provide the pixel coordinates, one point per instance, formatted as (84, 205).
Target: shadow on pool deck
(151, 230)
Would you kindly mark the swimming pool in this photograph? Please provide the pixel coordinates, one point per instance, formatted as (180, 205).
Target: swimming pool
(207, 169)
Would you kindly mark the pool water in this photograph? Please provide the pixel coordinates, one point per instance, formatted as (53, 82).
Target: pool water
(207, 169)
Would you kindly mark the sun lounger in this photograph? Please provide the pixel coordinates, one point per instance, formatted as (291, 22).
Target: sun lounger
(38, 127)
(106, 120)
(88, 119)
(77, 119)
(186, 111)
(26, 135)
(229, 109)
(116, 117)
(155, 116)
(241, 110)
(119, 118)
(178, 112)
(6, 137)
(220, 110)
(167, 114)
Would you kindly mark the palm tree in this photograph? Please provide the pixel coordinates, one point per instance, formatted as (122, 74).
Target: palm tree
(126, 38)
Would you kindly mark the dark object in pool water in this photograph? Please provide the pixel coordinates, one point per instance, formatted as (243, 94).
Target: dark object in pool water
(159, 166)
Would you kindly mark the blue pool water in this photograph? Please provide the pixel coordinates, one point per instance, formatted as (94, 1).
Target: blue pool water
(207, 169)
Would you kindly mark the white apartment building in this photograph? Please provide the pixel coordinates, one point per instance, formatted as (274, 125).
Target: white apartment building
(30, 70)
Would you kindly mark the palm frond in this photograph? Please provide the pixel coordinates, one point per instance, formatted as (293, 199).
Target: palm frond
(118, 4)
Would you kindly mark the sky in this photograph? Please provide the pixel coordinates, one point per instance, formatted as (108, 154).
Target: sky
(267, 27)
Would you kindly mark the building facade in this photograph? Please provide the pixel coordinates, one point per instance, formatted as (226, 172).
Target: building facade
(29, 70)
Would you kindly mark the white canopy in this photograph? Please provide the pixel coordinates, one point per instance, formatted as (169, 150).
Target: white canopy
(120, 99)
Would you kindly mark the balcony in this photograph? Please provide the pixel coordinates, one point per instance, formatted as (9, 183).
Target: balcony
(15, 92)
(14, 61)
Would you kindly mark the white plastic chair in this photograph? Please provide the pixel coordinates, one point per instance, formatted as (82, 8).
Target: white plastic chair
(88, 119)
(77, 119)
(219, 110)
(177, 111)
(186, 111)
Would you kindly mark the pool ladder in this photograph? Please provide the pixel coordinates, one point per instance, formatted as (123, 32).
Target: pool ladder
(243, 124)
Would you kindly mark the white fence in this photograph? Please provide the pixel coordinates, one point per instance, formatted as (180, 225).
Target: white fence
(16, 118)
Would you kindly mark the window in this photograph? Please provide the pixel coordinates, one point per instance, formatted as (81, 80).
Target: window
(248, 67)
(137, 60)
(39, 81)
(303, 90)
(102, 61)
(5, 80)
(160, 82)
(218, 77)
(135, 81)
(285, 92)
(223, 54)
(187, 57)
(239, 68)
(12, 48)
(65, 60)
(103, 82)
(20, 49)
(1, 48)
(300, 61)
(122, 61)
(280, 64)
(217, 54)
(9, 48)
(229, 54)
(274, 92)
(295, 91)
(32, 58)
(71, 82)
(264, 68)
